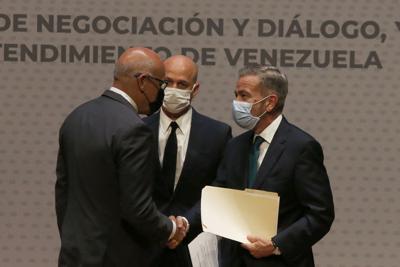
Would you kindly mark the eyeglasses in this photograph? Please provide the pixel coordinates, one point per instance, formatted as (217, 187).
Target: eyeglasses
(162, 83)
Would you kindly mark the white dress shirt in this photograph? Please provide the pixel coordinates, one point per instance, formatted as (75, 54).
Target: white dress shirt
(267, 134)
(125, 96)
(182, 136)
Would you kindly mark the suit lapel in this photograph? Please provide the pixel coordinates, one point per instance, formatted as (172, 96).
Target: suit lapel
(273, 154)
(194, 145)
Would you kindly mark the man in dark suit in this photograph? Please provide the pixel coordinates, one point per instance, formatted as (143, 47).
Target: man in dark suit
(275, 155)
(191, 161)
(105, 170)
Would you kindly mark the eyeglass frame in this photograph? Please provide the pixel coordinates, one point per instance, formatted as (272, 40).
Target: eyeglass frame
(162, 83)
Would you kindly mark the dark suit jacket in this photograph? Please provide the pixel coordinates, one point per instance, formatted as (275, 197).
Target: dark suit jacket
(206, 145)
(293, 167)
(105, 170)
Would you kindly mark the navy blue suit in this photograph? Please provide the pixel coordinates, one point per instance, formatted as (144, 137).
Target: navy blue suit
(293, 167)
(207, 141)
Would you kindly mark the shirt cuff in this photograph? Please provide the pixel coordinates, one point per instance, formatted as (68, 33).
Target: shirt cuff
(173, 230)
(276, 252)
(187, 223)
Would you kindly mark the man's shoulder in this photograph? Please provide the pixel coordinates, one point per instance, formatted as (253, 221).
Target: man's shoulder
(210, 122)
(240, 140)
(103, 110)
(298, 133)
(154, 118)
(101, 102)
(299, 139)
(82, 109)
(198, 120)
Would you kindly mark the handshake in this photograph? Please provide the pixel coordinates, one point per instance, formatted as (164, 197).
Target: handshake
(182, 227)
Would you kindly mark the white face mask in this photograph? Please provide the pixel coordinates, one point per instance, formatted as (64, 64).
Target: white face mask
(241, 112)
(176, 100)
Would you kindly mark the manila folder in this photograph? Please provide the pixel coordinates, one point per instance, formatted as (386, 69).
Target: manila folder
(235, 214)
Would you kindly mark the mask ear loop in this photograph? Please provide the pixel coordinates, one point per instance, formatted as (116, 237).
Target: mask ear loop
(192, 91)
(194, 85)
(259, 101)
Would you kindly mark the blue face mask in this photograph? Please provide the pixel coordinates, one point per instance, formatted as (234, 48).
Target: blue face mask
(241, 112)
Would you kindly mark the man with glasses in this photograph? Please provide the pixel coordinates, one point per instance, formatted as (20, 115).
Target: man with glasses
(190, 146)
(106, 165)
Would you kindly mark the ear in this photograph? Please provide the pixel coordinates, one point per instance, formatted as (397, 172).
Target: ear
(272, 103)
(141, 79)
(196, 88)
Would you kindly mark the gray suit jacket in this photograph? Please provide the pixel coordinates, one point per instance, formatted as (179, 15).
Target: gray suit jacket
(105, 171)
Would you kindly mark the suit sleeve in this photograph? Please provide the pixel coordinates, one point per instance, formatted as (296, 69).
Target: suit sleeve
(136, 171)
(61, 187)
(220, 180)
(193, 215)
(314, 193)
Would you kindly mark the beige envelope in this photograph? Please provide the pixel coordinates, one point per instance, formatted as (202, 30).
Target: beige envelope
(234, 214)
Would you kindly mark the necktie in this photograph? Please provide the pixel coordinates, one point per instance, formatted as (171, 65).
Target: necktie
(253, 160)
(169, 160)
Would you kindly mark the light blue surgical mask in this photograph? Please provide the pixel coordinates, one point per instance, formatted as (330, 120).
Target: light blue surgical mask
(241, 112)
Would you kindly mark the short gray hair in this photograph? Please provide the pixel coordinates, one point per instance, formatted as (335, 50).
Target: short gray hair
(271, 78)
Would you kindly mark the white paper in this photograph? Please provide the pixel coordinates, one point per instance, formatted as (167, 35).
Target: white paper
(204, 250)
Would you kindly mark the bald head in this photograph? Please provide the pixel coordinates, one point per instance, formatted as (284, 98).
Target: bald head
(138, 60)
(143, 89)
(182, 66)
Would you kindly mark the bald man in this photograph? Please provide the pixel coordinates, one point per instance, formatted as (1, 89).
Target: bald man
(190, 146)
(105, 169)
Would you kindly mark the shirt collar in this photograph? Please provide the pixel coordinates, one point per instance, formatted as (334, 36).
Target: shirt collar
(268, 133)
(125, 96)
(183, 122)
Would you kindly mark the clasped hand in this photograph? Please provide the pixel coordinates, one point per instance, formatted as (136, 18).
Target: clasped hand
(182, 228)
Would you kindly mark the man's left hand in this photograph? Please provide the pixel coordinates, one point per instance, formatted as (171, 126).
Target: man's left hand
(259, 247)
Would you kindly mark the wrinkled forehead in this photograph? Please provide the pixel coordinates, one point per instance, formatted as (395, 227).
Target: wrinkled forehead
(249, 85)
(249, 82)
